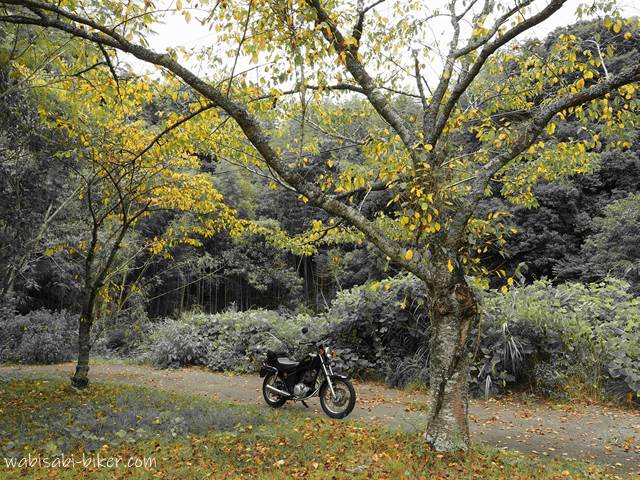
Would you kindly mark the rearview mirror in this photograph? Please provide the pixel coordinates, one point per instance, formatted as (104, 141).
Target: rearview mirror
(305, 330)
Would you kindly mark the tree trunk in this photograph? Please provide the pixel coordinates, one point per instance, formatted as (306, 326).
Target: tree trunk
(453, 317)
(80, 378)
(7, 288)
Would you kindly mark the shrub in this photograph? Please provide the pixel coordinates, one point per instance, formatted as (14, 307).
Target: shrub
(586, 333)
(240, 339)
(623, 364)
(229, 341)
(123, 335)
(509, 350)
(177, 344)
(40, 336)
(412, 370)
(378, 326)
(543, 337)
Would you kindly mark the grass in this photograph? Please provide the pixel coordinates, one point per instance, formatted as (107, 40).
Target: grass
(198, 438)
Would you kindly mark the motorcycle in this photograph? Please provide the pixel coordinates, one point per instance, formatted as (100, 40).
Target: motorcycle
(286, 379)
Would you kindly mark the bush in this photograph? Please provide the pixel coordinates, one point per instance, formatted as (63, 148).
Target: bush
(378, 326)
(568, 333)
(177, 344)
(410, 371)
(229, 341)
(39, 337)
(123, 335)
(541, 337)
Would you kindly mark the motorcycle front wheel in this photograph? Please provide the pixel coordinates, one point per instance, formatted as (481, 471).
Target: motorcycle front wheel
(273, 399)
(345, 399)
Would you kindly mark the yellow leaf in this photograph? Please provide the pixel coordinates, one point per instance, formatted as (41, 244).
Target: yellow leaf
(450, 266)
(178, 4)
(408, 255)
(504, 289)
(350, 41)
(330, 163)
(551, 128)
(617, 27)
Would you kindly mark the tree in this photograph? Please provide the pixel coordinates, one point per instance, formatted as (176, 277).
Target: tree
(551, 234)
(32, 187)
(614, 247)
(486, 121)
(122, 174)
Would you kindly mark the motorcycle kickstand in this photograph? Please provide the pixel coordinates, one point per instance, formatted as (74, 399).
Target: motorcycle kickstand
(304, 403)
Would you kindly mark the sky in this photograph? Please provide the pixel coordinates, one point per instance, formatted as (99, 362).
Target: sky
(175, 31)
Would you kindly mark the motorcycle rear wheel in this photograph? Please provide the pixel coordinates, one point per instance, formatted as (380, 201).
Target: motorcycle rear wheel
(272, 399)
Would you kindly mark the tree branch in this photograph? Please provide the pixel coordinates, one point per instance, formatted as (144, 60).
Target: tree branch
(465, 81)
(245, 120)
(530, 133)
(335, 37)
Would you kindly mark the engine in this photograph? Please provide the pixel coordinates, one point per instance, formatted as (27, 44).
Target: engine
(305, 384)
(300, 390)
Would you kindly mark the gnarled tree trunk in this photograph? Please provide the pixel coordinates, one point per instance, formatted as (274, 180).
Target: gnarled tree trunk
(453, 316)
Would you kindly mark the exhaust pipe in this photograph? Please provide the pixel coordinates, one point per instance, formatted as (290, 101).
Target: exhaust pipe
(278, 391)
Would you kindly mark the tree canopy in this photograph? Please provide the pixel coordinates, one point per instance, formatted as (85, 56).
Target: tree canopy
(438, 145)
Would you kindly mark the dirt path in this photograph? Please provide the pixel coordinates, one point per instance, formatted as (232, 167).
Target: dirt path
(593, 433)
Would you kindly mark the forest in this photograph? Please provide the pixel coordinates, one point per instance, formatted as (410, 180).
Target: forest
(472, 234)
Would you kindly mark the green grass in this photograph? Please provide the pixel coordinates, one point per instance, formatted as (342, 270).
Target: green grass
(191, 438)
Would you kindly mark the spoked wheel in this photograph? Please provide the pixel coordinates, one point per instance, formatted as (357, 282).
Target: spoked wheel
(273, 399)
(345, 399)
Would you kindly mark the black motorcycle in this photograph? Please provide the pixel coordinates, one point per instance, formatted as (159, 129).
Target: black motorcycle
(286, 379)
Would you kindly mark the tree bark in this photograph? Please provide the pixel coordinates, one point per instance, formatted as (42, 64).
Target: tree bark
(80, 378)
(453, 317)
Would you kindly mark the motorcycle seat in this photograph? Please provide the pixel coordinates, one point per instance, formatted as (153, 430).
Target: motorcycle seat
(286, 363)
(272, 355)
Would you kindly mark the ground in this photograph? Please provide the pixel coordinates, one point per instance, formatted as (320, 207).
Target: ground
(593, 433)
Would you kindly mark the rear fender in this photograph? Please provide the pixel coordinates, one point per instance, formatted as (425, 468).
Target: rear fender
(266, 369)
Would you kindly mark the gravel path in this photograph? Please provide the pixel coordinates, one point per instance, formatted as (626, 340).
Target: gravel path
(589, 432)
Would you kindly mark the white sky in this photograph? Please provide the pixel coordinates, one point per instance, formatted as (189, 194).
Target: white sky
(176, 32)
